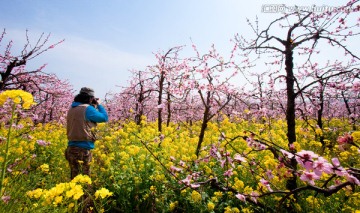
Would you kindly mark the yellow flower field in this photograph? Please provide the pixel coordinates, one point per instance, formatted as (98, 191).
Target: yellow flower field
(134, 168)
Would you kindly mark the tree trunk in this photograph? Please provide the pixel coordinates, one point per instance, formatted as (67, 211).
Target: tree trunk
(168, 107)
(161, 87)
(5, 75)
(202, 131)
(349, 110)
(204, 123)
(290, 110)
(319, 119)
(138, 107)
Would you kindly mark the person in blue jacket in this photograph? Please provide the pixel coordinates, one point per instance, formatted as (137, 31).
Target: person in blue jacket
(85, 112)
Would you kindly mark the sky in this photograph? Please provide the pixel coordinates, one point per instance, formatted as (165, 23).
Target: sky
(104, 39)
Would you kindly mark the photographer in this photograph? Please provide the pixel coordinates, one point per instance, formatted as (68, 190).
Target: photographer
(85, 112)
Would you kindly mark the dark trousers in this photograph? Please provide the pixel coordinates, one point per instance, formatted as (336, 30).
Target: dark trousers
(79, 160)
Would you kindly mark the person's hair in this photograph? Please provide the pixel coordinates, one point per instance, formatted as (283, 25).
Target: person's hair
(83, 98)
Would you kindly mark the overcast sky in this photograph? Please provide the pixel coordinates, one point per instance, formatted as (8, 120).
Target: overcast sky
(104, 39)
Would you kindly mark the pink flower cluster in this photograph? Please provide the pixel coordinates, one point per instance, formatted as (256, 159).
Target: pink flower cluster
(43, 143)
(253, 196)
(187, 181)
(345, 141)
(316, 165)
(254, 144)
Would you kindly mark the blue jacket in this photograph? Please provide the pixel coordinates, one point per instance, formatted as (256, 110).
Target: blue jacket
(98, 115)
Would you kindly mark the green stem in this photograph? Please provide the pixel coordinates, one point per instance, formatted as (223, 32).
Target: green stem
(3, 169)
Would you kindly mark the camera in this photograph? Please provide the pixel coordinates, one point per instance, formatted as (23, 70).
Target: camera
(95, 101)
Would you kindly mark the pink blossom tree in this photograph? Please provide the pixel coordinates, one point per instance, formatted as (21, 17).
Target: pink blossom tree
(303, 32)
(210, 78)
(52, 94)
(135, 100)
(165, 73)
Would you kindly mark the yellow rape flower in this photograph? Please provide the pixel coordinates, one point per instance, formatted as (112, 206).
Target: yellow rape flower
(313, 202)
(82, 179)
(76, 191)
(248, 190)
(18, 97)
(214, 199)
(71, 205)
(210, 206)
(238, 185)
(57, 200)
(235, 210)
(319, 131)
(101, 125)
(246, 210)
(297, 146)
(153, 188)
(218, 194)
(173, 205)
(207, 170)
(44, 168)
(228, 209)
(356, 136)
(102, 193)
(35, 193)
(196, 196)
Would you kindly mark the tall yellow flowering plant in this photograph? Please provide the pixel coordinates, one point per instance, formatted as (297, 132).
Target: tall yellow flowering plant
(16, 97)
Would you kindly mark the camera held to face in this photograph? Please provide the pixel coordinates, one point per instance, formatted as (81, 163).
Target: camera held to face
(95, 101)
